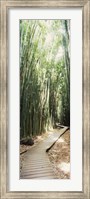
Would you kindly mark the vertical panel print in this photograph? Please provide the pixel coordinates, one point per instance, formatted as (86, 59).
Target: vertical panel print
(44, 99)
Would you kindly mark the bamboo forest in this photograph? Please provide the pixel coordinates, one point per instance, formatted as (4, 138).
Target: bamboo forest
(44, 77)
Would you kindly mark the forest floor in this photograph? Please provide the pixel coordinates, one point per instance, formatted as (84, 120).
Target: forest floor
(59, 154)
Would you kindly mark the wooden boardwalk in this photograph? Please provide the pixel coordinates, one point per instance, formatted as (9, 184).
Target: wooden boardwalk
(36, 162)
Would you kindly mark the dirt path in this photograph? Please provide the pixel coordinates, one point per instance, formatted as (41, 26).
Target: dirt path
(59, 156)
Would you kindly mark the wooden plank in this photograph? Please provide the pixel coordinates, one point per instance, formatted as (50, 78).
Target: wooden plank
(37, 170)
(35, 167)
(38, 175)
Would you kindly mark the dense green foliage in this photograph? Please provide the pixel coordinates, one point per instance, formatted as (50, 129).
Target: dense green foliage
(44, 75)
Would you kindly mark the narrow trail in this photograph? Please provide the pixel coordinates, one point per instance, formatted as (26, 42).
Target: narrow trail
(36, 161)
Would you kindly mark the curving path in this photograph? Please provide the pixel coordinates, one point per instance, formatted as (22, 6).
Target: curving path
(36, 162)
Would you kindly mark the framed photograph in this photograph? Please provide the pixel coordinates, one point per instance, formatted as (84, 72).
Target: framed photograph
(44, 99)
